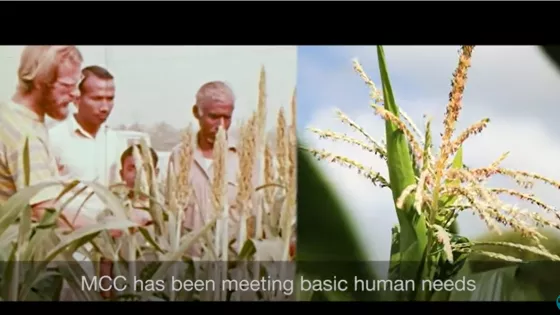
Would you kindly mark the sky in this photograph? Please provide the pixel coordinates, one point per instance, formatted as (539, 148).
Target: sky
(516, 87)
(159, 83)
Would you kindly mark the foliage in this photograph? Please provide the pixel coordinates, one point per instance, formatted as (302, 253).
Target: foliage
(431, 187)
(542, 273)
(248, 240)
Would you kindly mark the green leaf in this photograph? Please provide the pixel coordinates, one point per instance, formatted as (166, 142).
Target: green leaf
(326, 235)
(302, 295)
(10, 277)
(42, 230)
(47, 287)
(11, 210)
(113, 202)
(413, 232)
(450, 200)
(395, 262)
(172, 257)
(552, 52)
(503, 284)
(247, 250)
(146, 234)
(74, 273)
(545, 275)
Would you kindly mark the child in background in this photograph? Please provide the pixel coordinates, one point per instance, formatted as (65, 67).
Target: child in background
(128, 175)
(140, 216)
(128, 165)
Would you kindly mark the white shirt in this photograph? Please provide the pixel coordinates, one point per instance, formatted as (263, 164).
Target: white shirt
(207, 163)
(81, 156)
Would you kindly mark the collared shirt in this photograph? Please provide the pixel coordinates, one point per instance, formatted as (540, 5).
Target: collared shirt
(19, 123)
(83, 156)
(80, 155)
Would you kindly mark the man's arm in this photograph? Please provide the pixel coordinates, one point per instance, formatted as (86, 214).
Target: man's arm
(69, 221)
(42, 168)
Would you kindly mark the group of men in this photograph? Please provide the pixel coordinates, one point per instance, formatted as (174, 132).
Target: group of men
(82, 146)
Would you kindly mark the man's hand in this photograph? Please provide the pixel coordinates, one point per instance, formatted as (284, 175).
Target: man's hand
(80, 220)
(140, 217)
(73, 221)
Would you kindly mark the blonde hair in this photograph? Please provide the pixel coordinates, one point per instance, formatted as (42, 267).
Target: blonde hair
(40, 64)
(211, 92)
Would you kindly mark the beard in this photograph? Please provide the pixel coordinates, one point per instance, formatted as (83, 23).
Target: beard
(55, 107)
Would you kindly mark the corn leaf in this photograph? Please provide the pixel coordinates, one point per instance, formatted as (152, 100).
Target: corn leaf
(447, 201)
(302, 295)
(325, 233)
(10, 277)
(71, 243)
(11, 210)
(47, 287)
(501, 284)
(413, 233)
(74, 274)
(40, 233)
(553, 53)
(186, 242)
(113, 202)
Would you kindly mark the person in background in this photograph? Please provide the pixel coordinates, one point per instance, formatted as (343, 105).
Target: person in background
(128, 170)
(125, 190)
(215, 103)
(48, 79)
(85, 148)
(128, 175)
(214, 107)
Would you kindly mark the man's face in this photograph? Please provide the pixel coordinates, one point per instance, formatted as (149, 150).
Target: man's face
(57, 95)
(96, 100)
(211, 116)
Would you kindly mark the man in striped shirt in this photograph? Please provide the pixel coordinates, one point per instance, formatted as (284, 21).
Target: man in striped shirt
(48, 77)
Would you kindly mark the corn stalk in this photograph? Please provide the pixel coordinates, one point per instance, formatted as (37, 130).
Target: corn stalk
(429, 190)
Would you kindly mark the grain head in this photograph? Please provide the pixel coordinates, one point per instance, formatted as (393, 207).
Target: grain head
(219, 170)
(247, 162)
(281, 145)
(269, 174)
(185, 161)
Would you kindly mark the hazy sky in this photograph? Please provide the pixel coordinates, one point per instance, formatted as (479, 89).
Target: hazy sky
(516, 87)
(159, 83)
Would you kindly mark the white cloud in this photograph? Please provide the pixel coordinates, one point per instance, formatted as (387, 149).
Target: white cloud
(371, 205)
(514, 86)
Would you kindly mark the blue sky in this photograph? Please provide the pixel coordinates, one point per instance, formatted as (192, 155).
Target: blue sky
(516, 87)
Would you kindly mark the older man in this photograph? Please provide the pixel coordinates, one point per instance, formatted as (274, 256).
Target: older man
(85, 148)
(48, 79)
(215, 103)
(214, 107)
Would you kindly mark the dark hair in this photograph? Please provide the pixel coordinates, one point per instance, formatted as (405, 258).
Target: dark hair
(128, 152)
(94, 71)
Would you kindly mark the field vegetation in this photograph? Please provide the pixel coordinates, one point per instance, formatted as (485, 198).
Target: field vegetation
(430, 187)
(250, 241)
